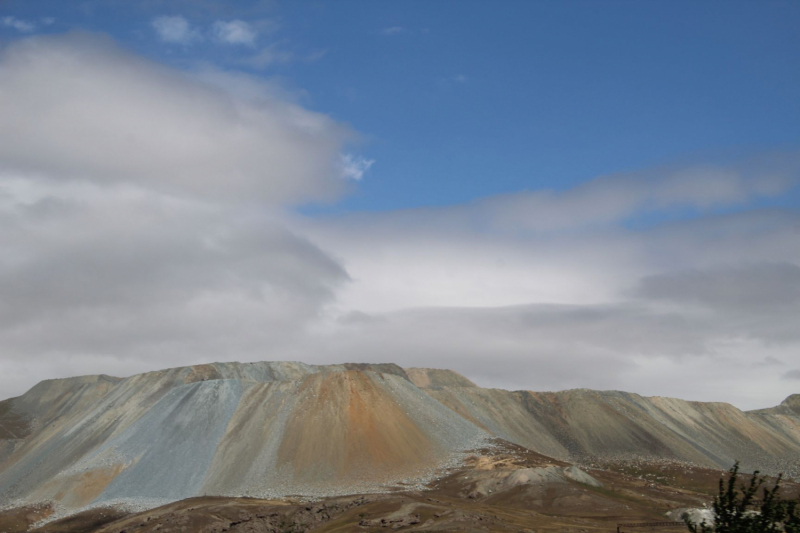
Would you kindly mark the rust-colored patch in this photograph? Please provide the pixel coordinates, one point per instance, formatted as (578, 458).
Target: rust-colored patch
(82, 488)
(90, 484)
(379, 429)
(346, 425)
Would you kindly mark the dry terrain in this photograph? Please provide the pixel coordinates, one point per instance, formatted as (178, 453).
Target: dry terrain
(503, 487)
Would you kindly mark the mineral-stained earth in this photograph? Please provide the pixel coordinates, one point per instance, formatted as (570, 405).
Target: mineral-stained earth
(361, 447)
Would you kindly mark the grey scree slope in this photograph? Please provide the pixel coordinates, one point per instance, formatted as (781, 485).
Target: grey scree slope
(277, 429)
(261, 429)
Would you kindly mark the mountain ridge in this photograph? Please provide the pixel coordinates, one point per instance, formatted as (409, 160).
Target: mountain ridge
(792, 401)
(271, 429)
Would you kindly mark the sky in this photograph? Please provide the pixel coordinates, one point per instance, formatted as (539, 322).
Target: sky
(538, 195)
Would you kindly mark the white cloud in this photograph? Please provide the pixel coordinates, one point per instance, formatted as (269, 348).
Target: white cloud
(567, 248)
(268, 56)
(354, 167)
(78, 108)
(18, 24)
(617, 198)
(176, 30)
(235, 32)
(394, 30)
(316, 55)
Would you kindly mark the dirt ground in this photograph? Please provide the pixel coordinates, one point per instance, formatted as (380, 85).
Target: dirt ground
(461, 500)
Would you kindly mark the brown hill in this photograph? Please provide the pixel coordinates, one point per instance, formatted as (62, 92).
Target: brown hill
(586, 425)
(271, 430)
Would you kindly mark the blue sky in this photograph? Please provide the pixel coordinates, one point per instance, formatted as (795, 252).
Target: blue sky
(540, 195)
(460, 100)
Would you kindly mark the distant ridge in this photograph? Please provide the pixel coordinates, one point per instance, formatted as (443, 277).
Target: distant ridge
(789, 406)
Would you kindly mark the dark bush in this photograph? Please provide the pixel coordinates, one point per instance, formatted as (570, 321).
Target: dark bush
(737, 509)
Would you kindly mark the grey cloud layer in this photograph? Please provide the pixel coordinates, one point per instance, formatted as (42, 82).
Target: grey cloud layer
(135, 274)
(77, 107)
(143, 225)
(141, 216)
(757, 285)
(689, 308)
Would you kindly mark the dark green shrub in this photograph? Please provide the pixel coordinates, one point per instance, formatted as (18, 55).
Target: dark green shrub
(736, 509)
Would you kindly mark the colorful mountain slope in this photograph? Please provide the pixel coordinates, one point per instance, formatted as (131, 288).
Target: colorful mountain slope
(275, 429)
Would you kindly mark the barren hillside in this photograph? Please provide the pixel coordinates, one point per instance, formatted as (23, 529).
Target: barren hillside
(272, 430)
